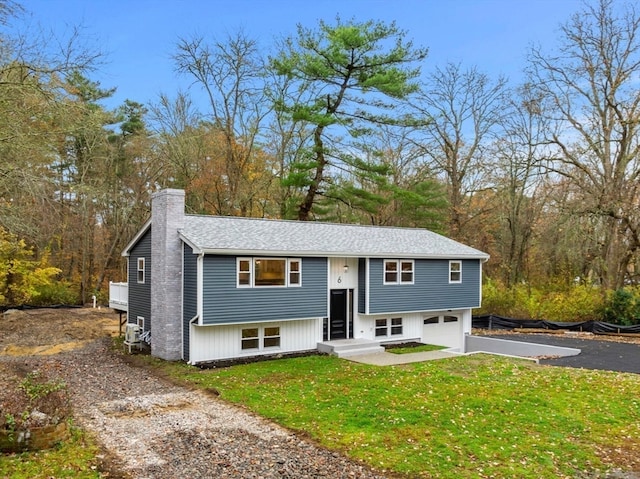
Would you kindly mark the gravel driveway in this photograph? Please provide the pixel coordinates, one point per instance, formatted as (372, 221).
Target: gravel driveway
(153, 429)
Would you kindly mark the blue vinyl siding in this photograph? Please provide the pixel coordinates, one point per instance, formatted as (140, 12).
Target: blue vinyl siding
(362, 285)
(189, 294)
(431, 289)
(224, 302)
(140, 294)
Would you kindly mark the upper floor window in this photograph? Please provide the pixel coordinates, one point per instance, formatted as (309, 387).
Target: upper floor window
(259, 272)
(269, 272)
(455, 271)
(295, 278)
(140, 270)
(398, 271)
(244, 272)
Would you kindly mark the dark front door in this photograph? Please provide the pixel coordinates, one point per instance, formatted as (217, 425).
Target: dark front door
(338, 314)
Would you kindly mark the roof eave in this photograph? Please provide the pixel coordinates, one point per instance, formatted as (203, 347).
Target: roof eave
(334, 254)
(126, 251)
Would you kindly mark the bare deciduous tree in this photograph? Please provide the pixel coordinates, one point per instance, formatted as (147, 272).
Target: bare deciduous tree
(591, 92)
(463, 109)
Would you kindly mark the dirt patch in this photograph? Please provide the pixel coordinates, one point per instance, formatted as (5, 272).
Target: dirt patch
(51, 331)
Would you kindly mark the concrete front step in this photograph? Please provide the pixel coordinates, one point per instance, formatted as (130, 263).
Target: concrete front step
(348, 353)
(350, 347)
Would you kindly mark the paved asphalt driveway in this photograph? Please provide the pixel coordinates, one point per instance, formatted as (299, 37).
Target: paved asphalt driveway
(607, 355)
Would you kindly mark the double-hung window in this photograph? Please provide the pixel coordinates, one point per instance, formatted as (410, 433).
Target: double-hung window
(455, 271)
(141, 270)
(269, 272)
(260, 338)
(388, 327)
(398, 271)
(295, 277)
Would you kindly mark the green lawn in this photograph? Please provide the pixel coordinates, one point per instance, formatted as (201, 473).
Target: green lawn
(73, 459)
(467, 417)
(415, 349)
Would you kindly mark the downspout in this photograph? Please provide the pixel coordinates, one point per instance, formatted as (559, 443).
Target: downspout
(199, 304)
(191, 323)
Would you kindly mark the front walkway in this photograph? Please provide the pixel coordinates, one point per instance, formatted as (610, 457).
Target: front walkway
(390, 359)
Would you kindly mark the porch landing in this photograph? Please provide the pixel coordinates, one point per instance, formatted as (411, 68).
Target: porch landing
(367, 351)
(347, 348)
(390, 359)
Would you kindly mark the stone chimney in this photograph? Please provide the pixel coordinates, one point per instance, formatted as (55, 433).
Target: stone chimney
(167, 217)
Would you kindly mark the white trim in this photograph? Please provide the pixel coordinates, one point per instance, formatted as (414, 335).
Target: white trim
(451, 262)
(240, 259)
(143, 270)
(191, 330)
(398, 263)
(388, 326)
(384, 271)
(252, 271)
(136, 238)
(200, 287)
(240, 323)
(194, 248)
(261, 338)
(480, 283)
(418, 311)
(332, 254)
(367, 282)
(182, 301)
(299, 283)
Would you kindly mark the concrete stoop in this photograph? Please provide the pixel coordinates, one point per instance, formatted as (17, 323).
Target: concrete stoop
(345, 348)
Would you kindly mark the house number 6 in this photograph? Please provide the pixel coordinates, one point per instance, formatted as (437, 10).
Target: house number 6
(339, 279)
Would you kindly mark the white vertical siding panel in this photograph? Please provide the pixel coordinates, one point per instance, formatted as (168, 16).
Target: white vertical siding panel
(338, 279)
(210, 343)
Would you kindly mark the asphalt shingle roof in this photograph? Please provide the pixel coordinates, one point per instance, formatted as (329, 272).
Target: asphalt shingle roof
(233, 235)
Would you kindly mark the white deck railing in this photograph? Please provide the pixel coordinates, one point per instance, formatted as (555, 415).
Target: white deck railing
(118, 296)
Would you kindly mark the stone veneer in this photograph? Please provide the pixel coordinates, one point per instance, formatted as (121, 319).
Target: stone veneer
(167, 217)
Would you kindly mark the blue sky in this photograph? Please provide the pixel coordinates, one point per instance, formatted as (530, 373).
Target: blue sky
(139, 36)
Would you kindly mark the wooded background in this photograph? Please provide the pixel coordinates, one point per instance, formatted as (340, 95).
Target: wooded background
(339, 123)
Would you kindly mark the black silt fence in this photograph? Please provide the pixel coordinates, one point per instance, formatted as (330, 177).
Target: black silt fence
(492, 321)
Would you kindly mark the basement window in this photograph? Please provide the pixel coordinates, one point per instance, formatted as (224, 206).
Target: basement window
(386, 327)
(250, 339)
(267, 337)
(271, 337)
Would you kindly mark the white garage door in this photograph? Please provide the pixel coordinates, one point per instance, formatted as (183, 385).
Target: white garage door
(443, 330)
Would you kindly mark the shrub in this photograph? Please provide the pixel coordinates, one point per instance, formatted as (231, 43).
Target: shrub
(554, 303)
(56, 292)
(578, 303)
(20, 273)
(34, 401)
(623, 307)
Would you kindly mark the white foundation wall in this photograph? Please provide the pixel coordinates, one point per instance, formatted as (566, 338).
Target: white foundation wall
(449, 334)
(211, 343)
(365, 327)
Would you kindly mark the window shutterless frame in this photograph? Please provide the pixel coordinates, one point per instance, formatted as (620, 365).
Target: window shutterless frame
(244, 268)
(141, 274)
(398, 271)
(455, 271)
(254, 272)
